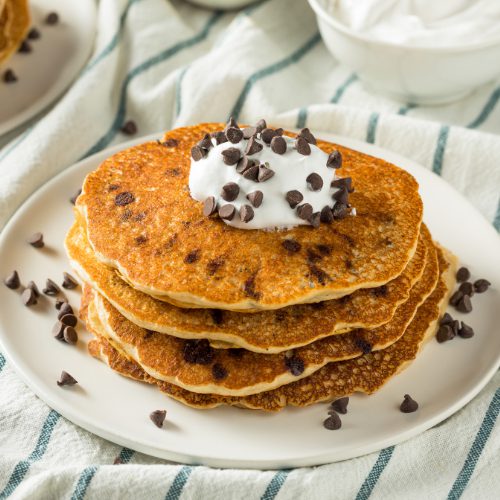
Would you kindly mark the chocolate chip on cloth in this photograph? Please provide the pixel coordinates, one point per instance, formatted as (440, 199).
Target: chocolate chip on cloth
(66, 379)
(158, 417)
(333, 422)
(12, 281)
(69, 282)
(51, 288)
(408, 405)
(340, 405)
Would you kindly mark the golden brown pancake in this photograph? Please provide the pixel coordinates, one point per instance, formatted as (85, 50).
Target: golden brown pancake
(265, 332)
(367, 373)
(163, 357)
(150, 238)
(14, 24)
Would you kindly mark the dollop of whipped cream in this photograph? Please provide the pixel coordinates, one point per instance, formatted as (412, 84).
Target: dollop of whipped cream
(428, 23)
(258, 178)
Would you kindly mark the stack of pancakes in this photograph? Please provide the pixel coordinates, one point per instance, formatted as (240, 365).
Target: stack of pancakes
(14, 25)
(258, 319)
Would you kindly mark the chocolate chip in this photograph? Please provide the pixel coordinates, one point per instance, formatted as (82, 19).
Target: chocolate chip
(455, 326)
(444, 333)
(219, 372)
(291, 245)
(481, 285)
(58, 330)
(231, 156)
(340, 405)
(333, 422)
(205, 143)
(467, 288)
(465, 331)
(246, 213)
(294, 197)
(170, 143)
(315, 219)
(456, 297)
(255, 198)
(66, 379)
(236, 353)
(261, 125)
(334, 159)
(304, 211)
(249, 132)
(312, 256)
(314, 182)
(364, 345)
(209, 206)
(267, 135)
(326, 214)
(70, 335)
(12, 281)
(59, 303)
(252, 173)
(220, 137)
(198, 352)
(64, 310)
(339, 211)
(302, 146)
(33, 34)
(75, 196)
(158, 417)
(245, 163)
(69, 320)
(306, 134)
(253, 146)
(341, 196)
(129, 128)
(69, 282)
(295, 365)
(192, 257)
(379, 291)
(113, 187)
(408, 405)
(52, 18)
(343, 183)
(214, 265)
(249, 287)
(32, 286)
(28, 297)
(227, 212)
(265, 173)
(217, 316)
(198, 153)
(25, 47)
(278, 145)
(9, 76)
(51, 288)
(124, 198)
(234, 135)
(464, 305)
(230, 124)
(463, 274)
(446, 319)
(230, 191)
(141, 239)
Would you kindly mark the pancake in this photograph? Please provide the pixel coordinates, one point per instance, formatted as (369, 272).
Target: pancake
(264, 332)
(148, 239)
(163, 357)
(14, 24)
(366, 374)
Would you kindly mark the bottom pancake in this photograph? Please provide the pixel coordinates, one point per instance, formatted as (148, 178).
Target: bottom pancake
(366, 374)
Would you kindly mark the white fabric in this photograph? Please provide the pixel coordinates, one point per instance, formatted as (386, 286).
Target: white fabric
(168, 64)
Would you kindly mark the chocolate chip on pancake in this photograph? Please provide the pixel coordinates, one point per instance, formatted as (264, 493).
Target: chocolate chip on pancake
(227, 211)
(249, 132)
(158, 417)
(12, 281)
(267, 135)
(464, 305)
(364, 345)
(379, 291)
(28, 297)
(52, 18)
(295, 365)
(32, 286)
(70, 336)
(278, 145)
(326, 214)
(231, 123)
(306, 134)
(321, 276)
(209, 206)
(230, 191)
(339, 211)
(220, 137)
(246, 213)
(124, 198)
(66, 379)
(305, 211)
(255, 198)
(409, 405)
(260, 125)
(334, 159)
(244, 163)
(340, 405)
(198, 153)
(231, 156)
(481, 285)
(343, 183)
(315, 219)
(192, 257)
(234, 135)
(219, 372)
(217, 316)
(333, 422)
(314, 182)
(253, 146)
(252, 173)
(51, 288)
(9, 76)
(291, 245)
(341, 196)
(129, 128)
(465, 331)
(302, 146)
(294, 197)
(75, 196)
(444, 333)
(69, 282)
(170, 143)
(463, 274)
(265, 173)
(198, 352)
(206, 142)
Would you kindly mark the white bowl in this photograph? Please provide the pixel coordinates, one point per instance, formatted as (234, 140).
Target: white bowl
(420, 75)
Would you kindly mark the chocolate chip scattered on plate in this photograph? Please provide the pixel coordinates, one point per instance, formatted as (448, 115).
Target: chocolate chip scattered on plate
(66, 379)
(69, 282)
(333, 422)
(12, 281)
(409, 405)
(36, 240)
(129, 128)
(340, 405)
(158, 417)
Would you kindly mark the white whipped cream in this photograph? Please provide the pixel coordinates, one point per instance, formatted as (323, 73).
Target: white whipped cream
(208, 175)
(425, 23)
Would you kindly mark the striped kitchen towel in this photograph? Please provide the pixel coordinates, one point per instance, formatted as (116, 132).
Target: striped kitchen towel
(165, 64)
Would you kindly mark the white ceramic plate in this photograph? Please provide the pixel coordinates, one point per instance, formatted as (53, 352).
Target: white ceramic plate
(443, 379)
(57, 57)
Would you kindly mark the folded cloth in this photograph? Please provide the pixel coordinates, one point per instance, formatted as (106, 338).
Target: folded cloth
(165, 64)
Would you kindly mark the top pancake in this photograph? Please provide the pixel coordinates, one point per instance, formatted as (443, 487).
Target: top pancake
(148, 240)
(14, 24)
